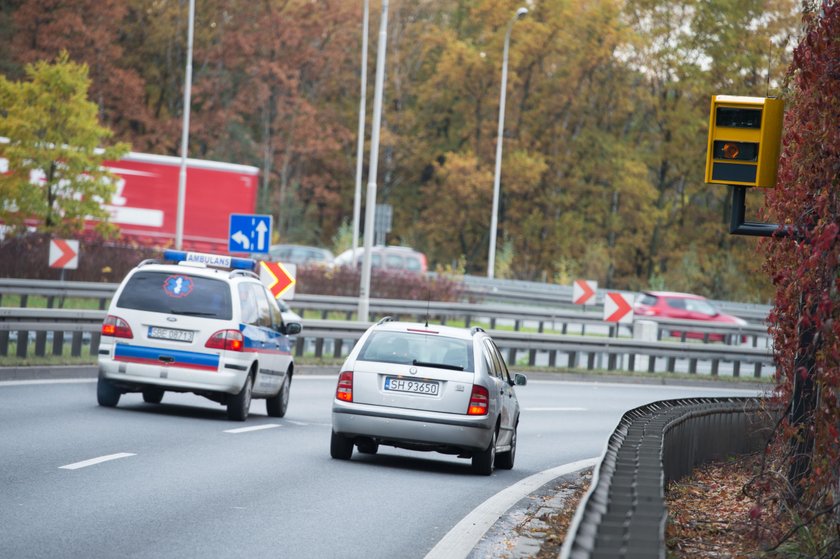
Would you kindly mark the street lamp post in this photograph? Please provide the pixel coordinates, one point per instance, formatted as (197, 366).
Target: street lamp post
(370, 203)
(494, 218)
(360, 147)
(185, 134)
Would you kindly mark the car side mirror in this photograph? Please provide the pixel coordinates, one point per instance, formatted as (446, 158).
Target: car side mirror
(292, 328)
(519, 379)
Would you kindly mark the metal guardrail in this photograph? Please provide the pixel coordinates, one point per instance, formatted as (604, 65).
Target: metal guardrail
(518, 291)
(56, 291)
(543, 295)
(336, 338)
(623, 514)
(54, 325)
(545, 317)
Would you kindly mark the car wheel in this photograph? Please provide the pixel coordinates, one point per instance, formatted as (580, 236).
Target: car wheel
(341, 447)
(152, 395)
(368, 447)
(276, 405)
(237, 408)
(504, 460)
(482, 462)
(106, 393)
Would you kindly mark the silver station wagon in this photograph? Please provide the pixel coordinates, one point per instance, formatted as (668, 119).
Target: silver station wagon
(427, 388)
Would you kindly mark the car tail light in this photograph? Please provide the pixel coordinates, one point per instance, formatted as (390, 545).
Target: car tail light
(479, 401)
(116, 327)
(344, 389)
(230, 340)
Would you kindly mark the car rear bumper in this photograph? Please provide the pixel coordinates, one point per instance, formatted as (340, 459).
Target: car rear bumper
(410, 427)
(225, 375)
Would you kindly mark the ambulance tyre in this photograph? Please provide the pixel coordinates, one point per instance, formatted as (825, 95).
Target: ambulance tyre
(238, 405)
(107, 394)
(277, 405)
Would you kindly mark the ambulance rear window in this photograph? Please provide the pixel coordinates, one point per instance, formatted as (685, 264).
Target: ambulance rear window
(177, 293)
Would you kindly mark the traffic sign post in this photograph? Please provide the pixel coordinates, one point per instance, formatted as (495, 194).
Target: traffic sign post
(249, 233)
(279, 279)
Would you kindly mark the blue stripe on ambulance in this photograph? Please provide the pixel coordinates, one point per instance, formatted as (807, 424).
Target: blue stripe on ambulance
(179, 358)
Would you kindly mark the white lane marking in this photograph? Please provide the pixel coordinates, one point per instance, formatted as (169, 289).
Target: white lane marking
(297, 423)
(94, 461)
(254, 428)
(555, 409)
(464, 536)
(46, 381)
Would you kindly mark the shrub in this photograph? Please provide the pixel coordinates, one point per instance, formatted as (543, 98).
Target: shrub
(27, 256)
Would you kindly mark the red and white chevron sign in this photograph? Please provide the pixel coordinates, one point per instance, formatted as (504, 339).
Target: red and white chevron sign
(618, 308)
(583, 291)
(279, 278)
(64, 254)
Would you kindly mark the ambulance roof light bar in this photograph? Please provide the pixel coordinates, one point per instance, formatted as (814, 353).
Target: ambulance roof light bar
(213, 260)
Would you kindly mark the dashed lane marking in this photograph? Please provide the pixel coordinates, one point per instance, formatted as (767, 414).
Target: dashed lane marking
(94, 461)
(254, 428)
(555, 409)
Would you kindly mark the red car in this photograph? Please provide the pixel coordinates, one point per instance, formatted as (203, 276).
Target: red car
(683, 306)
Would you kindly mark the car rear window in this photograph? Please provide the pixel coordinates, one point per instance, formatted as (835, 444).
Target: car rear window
(177, 293)
(394, 261)
(418, 348)
(647, 299)
(413, 264)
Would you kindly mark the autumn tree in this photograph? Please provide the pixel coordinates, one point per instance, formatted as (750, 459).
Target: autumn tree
(91, 31)
(270, 88)
(605, 127)
(54, 150)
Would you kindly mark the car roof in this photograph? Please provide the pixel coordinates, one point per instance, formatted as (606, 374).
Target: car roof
(379, 248)
(285, 245)
(421, 328)
(208, 271)
(675, 294)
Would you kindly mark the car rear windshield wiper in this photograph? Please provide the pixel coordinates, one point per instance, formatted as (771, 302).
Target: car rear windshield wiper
(193, 313)
(438, 365)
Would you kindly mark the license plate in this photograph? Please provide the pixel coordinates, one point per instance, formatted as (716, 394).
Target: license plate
(413, 386)
(170, 334)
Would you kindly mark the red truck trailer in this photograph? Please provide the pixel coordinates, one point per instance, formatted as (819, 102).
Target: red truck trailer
(145, 204)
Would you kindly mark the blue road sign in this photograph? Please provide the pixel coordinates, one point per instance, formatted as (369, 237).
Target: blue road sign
(249, 233)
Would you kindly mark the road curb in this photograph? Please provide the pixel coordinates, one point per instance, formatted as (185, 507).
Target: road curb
(464, 536)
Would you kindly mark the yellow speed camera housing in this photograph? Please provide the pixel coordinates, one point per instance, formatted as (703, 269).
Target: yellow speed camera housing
(744, 140)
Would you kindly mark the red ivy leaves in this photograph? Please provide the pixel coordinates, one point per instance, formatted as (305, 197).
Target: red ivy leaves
(806, 273)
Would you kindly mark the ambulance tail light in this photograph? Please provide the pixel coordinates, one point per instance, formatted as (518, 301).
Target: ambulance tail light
(116, 327)
(228, 340)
